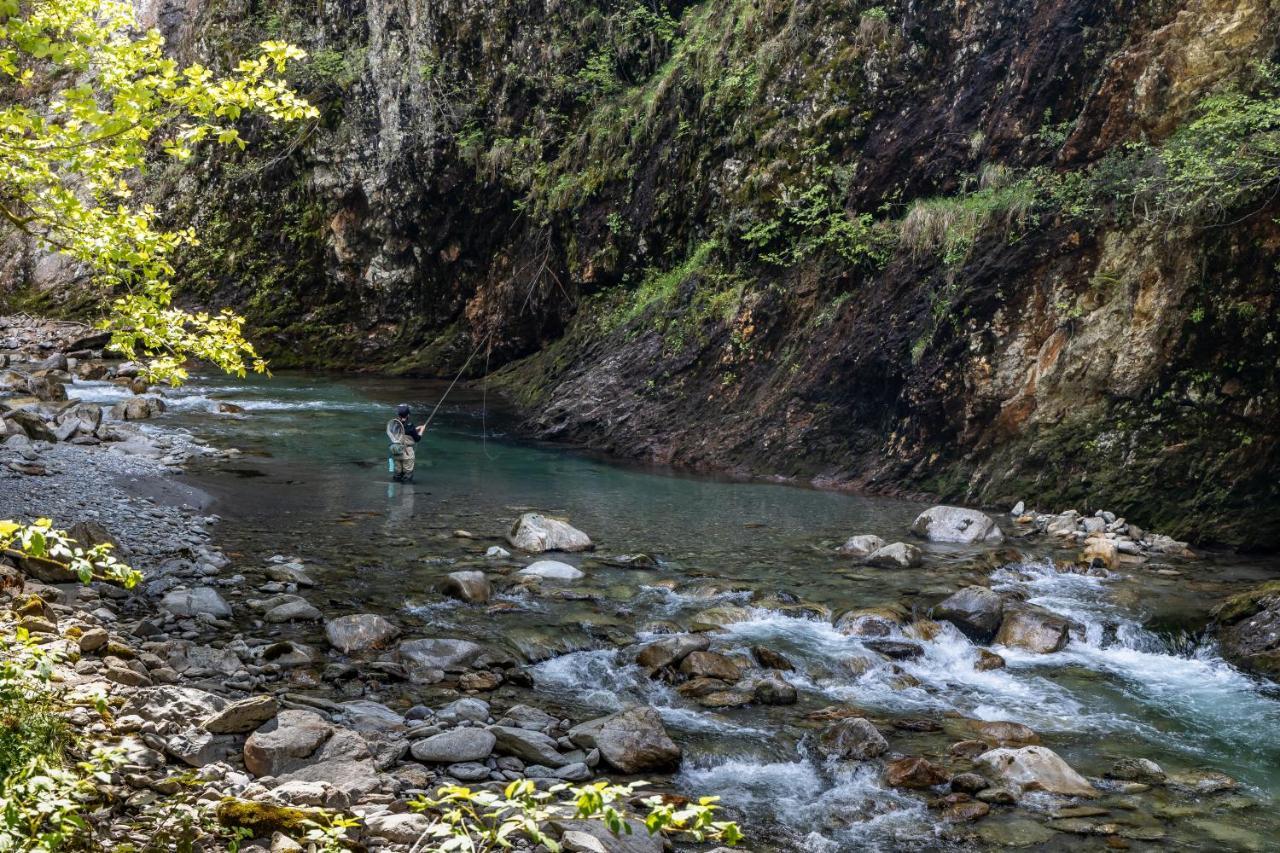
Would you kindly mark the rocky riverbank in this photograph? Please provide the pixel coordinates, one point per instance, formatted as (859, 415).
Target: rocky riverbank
(262, 683)
(205, 697)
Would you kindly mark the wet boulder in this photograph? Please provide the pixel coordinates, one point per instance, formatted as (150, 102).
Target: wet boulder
(137, 409)
(773, 689)
(988, 660)
(535, 533)
(956, 524)
(1034, 629)
(632, 741)
(671, 650)
(704, 664)
(899, 555)
(1101, 552)
(853, 738)
(359, 632)
(769, 659)
(861, 546)
(914, 772)
(995, 732)
(471, 587)
(1142, 770)
(871, 621)
(1035, 768)
(975, 610)
(717, 617)
(1248, 627)
(426, 661)
(895, 649)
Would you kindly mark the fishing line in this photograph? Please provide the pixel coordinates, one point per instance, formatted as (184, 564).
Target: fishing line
(486, 345)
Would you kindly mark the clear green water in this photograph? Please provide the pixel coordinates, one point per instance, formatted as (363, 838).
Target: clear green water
(313, 483)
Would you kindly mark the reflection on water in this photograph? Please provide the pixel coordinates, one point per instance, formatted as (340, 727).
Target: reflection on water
(312, 482)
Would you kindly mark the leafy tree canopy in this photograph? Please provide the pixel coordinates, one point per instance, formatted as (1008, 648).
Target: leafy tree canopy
(87, 97)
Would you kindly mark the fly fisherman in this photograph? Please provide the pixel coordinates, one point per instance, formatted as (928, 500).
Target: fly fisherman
(403, 439)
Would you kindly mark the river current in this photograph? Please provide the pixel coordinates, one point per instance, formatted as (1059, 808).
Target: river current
(1142, 680)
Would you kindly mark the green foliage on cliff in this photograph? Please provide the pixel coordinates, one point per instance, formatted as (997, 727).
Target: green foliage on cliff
(98, 96)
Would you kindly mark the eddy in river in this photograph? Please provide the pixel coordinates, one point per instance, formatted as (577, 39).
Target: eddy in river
(404, 435)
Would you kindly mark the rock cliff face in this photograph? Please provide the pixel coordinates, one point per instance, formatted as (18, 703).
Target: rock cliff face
(977, 249)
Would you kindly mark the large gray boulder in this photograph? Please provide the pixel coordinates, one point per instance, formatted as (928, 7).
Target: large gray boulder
(1035, 768)
(284, 743)
(956, 524)
(529, 746)
(632, 741)
(535, 532)
(975, 610)
(359, 632)
(853, 738)
(1034, 629)
(243, 715)
(454, 746)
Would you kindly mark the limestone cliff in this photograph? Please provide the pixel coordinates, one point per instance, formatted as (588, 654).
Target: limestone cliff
(922, 246)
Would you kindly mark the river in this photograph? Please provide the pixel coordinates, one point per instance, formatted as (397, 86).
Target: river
(1141, 681)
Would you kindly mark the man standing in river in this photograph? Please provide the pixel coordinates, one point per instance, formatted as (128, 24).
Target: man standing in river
(403, 454)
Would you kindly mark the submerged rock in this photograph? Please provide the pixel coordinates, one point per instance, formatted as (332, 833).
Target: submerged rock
(914, 772)
(956, 524)
(552, 570)
(861, 546)
(975, 611)
(853, 738)
(773, 689)
(899, 555)
(535, 532)
(1033, 629)
(1142, 770)
(1035, 768)
(669, 651)
(870, 621)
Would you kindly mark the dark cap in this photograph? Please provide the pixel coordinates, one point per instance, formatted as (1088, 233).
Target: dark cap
(402, 410)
